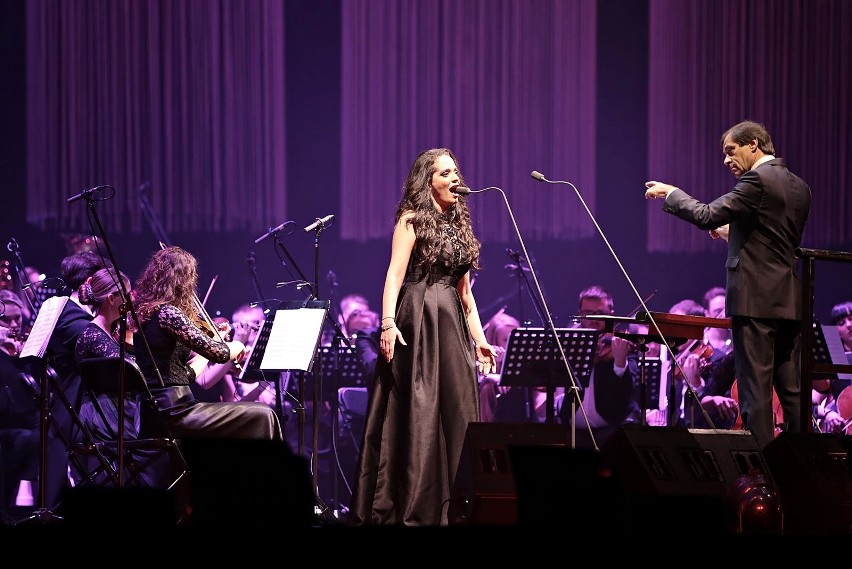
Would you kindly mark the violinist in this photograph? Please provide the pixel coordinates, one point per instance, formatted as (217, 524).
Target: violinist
(709, 378)
(609, 398)
(220, 381)
(167, 306)
(20, 418)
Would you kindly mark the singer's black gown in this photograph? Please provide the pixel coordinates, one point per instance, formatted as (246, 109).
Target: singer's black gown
(420, 406)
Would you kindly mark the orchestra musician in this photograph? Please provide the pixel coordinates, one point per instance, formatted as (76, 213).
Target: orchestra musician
(609, 397)
(832, 398)
(20, 420)
(709, 377)
(167, 306)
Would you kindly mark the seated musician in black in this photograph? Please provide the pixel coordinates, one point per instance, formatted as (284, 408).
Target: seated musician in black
(167, 306)
(99, 411)
(20, 417)
(608, 400)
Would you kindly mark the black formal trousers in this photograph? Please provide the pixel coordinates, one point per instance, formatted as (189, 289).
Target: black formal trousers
(767, 348)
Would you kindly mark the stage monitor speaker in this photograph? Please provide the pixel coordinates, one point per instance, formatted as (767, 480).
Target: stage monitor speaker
(570, 488)
(484, 492)
(731, 454)
(251, 483)
(108, 507)
(814, 477)
(675, 474)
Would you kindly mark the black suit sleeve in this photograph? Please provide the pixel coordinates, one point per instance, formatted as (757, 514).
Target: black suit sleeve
(367, 348)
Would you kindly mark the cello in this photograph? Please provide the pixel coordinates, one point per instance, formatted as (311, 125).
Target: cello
(777, 411)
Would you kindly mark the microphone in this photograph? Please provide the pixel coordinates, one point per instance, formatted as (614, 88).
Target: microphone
(85, 194)
(538, 176)
(514, 255)
(460, 190)
(273, 231)
(319, 223)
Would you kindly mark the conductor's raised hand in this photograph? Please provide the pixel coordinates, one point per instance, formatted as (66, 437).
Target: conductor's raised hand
(657, 190)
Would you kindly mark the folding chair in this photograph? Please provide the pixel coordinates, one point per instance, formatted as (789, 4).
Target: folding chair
(152, 461)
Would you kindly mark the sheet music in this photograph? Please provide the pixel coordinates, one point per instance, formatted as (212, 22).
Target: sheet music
(39, 337)
(293, 340)
(835, 348)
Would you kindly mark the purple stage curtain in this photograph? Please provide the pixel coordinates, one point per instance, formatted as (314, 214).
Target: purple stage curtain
(785, 64)
(187, 95)
(508, 85)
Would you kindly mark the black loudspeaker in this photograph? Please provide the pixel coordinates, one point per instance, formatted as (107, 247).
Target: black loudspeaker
(484, 491)
(814, 477)
(105, 507)
(682, 478)
(570, 488)
(248, 483)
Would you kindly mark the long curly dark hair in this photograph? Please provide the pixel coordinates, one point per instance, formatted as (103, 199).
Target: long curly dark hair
(431, 247)
(170, 277)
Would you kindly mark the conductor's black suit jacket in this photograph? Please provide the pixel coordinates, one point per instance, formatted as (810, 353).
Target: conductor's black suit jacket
(767, 211)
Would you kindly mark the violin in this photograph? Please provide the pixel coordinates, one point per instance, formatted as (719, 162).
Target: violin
(604, 351)
(697, 348)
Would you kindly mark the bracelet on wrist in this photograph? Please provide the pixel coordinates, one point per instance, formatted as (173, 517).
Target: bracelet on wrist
(387, 318)
(388, 326)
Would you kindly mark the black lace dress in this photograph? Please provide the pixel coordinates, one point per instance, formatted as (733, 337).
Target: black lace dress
(99, 413)
(420, 404)
(172, 337)
(102, 419)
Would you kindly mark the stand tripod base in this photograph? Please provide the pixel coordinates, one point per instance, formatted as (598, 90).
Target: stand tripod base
(41, 516)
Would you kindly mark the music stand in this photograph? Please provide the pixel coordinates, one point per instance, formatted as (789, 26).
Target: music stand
(36, 348)
(828, 350)
(533, 359)
(652, 372)
(290, 344)
(339, 359)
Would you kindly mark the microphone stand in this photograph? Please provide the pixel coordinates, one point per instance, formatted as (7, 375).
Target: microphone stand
(523, 282)
(574, 388)
(321, 506)
(122, 323)
(339, 338)
(691, 392)
(21, 271)
(151, 215)
(251, 261)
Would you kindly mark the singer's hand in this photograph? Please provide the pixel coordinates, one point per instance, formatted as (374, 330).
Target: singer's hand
(389, 338)
(486, 358)
(655, 190)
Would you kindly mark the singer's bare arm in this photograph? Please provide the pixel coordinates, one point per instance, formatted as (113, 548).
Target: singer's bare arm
(486, 357)
(401, 247)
